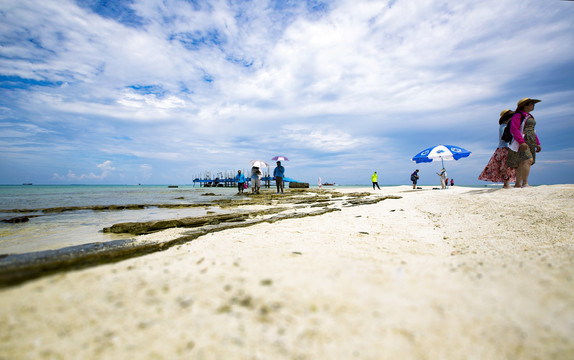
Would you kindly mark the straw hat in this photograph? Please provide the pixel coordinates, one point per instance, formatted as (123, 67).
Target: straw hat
(527, 100)
(505, 115)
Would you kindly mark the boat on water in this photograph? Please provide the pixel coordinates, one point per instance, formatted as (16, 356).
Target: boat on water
(329, 184)
(27, 184)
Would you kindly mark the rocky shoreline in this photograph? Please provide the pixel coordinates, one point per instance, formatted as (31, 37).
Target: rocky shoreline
(18, 268)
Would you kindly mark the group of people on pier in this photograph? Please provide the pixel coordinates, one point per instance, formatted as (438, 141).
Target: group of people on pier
(257, 175)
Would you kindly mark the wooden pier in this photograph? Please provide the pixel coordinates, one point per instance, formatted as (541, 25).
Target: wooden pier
(227, 179)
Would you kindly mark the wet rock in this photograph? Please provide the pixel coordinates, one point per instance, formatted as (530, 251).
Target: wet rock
(16, 268)
(360, 200)
(140, 228)
(19, 219)
(106, 208)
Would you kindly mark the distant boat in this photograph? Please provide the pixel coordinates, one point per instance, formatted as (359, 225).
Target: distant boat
(329, 184)
(27, 184)
(172, 186)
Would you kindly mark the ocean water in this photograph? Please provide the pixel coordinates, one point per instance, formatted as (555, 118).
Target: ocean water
(49, 231)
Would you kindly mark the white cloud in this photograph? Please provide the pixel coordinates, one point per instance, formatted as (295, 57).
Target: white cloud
(20, 130)
(105, 167)
(324, 140)
(150, 102)
(243, 78)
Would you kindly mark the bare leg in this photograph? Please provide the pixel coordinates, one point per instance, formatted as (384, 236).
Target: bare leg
(518, 183)
(522, 173)
(526, 172)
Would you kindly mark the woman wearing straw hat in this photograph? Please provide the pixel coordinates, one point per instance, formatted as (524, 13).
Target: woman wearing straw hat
(496, 170)
(525, 143)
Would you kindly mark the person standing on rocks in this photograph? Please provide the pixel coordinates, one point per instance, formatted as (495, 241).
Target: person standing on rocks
(240, 180)
(255, 180)
(279, 174)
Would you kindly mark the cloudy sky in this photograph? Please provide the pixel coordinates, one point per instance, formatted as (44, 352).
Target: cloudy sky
(161, 91)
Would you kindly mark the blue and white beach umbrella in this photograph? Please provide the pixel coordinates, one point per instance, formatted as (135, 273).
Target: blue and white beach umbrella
(442, 152)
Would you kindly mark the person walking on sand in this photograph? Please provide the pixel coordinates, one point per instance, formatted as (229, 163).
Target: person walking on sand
(496, 170)
(374, 179)
(255, 180)
(524, 144)
(240, 180)
(442, 176)
(415, 178)
(279, 174)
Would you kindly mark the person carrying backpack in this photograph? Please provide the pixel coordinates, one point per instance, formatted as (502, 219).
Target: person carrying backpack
(496, 170)
(525, 143)
(415, 178)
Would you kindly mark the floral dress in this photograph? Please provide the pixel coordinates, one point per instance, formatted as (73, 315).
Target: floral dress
(496, 170)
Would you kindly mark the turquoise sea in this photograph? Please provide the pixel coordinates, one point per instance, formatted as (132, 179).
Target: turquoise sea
(54, 230)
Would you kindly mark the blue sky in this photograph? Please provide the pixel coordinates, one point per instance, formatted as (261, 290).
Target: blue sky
(160, 91)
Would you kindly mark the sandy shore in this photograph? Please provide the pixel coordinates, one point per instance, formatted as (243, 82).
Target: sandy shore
(458, 274)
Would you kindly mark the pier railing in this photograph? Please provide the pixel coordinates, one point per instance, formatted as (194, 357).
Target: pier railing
(230, 182)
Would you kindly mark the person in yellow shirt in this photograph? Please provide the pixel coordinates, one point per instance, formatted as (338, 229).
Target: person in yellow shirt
(374, 180)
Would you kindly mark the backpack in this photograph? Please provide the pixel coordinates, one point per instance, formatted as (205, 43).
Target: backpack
(506, 135)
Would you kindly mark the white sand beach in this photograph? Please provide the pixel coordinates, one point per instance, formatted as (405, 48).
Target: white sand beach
(464, 273)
